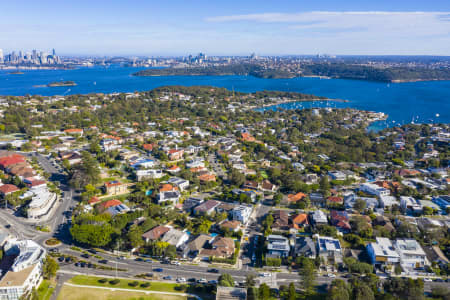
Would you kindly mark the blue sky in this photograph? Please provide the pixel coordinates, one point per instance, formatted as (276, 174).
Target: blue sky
(231, 27)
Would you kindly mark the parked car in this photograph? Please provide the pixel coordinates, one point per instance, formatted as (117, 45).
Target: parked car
(192, 279)
(212, 282)
(61, 258)
(103, 261)
(265, 274)
(168, 277)
(85, 255)
(158, 270)
(427, 280)
(202, 280)
(213, 271)
(181, 279)
(331, 275)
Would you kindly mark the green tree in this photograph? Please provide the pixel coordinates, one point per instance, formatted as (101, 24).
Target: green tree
(49, 268)
(226, 280)
(250, 280)
(308, 275)
(134, 235)
(263, 292)
(338, 290)
(292, 294)
(324, 185)
(97, 235)
(360, 205)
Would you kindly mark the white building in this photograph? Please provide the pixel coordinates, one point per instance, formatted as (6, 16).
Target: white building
(175, 237)
(374, 189)
(278, 246)
(41, 204)
(383, 254)
(242, 213)
(149, 174)
(409, 204)
(26, 271)
(181, 183)
(411, 254)
(388, 201)
(330, 249)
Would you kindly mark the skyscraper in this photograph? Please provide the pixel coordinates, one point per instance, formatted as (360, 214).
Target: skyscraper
(53, 53)
(1, 56)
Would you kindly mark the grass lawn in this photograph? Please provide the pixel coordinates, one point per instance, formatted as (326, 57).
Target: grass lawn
(154, 286)
(75, 293)
(44, 291)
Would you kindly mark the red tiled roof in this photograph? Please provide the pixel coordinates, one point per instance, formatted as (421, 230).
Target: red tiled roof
(112, 183)
(94, 200)
(296, 197)
(8, 188)
(110, 203)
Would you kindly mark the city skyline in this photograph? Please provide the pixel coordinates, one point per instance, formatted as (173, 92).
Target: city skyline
(233, 28)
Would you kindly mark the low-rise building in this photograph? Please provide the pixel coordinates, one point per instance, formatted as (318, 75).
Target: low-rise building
(41, 204)
(329, 249)
(278, 246)
(175, 237)
(26, 271)
(374, 189)
(383, 254)
(242, 213)
(412, 256)
(149, 174)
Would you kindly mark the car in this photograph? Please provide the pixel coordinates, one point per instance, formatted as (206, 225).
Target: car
(265, 274)
(89, 265)
(61, 258)
(176, 263)
(85, 255)
(93, 251)
(138, 259)
(202, 280)
(212, 282)
(103, 261)
(192, 279)
(427, 280)
(158, 270)
(331, 275)
(148, 260)
(77, 264)
(82, 264)
(181, 279)
(439, 280)
(213, 271)
(168, 277)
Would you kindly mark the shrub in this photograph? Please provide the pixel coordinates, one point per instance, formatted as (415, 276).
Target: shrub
(145, 284)
(103, 280)
(114, 281)
(133, 283)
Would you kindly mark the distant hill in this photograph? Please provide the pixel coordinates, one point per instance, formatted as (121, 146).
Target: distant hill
(332, 70)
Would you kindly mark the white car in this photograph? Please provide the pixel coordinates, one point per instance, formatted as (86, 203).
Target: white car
(202, 280)
(181, 279)
(265, 274)
(331, 275)
(427, 280)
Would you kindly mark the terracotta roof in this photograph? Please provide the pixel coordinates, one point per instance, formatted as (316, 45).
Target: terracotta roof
(296, 197)
(112, 183)
(231, 224)
(8, 188)
(94, 200)
(300, 219)
(73, 130)
(110, 203)
(155, 233)
(207, 177)
(167, 187)
(335, 199)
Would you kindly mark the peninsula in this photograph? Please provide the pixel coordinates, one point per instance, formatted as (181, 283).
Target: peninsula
(338, 70)
(61, 83)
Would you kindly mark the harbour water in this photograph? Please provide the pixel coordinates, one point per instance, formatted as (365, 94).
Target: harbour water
(419, 102)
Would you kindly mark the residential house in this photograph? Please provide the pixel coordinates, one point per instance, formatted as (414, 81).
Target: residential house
(294, 198)
(305, 246)
(318, 217)
(173, 196)
(219, 247)
(149, 174)
(329, 249)
(155, 233)
(267, 186)
(206, 208)
(175, 237)
(280, 220)
(8, 189)
(181, 183)
(278, 246)
(374, 189)
(175, 154)
(115, 188)
(233, 226)
(382, 254)
(242, 213)
(194, 247)
(410, 205)
(340, 220)
(300, 221)
(412, 256)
